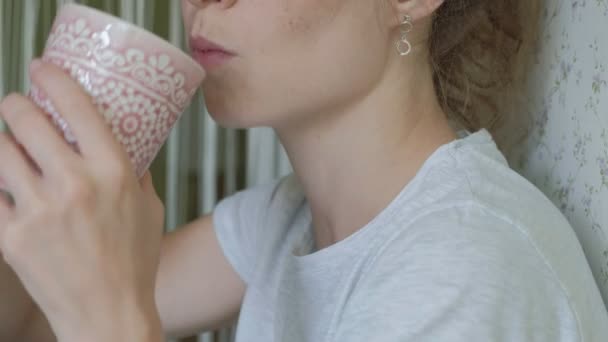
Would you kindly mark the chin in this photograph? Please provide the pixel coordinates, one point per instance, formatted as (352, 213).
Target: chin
(221, 112)
(229, 120)
(230, 113)
(233, 118)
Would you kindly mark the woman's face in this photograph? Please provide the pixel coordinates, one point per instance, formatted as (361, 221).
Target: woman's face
(294, 58)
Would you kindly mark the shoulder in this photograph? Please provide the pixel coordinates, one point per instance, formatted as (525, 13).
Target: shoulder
(461, 271)
(260, 198)
(462, 238)
(246, 221)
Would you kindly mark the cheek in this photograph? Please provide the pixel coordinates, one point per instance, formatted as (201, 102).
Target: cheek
(188, 15)
(338, 54)
(302, 18)
(304, 57)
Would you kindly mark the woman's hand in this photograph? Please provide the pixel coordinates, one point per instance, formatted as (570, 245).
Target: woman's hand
(83, 234)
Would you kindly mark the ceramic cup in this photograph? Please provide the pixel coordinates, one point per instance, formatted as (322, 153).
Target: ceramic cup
(140, 83)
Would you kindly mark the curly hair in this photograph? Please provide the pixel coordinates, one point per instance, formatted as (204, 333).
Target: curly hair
(478, 51)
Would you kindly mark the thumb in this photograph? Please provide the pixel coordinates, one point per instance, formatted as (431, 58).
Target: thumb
(152, 197)
(146, 183)
(147, 187)
(5, 213)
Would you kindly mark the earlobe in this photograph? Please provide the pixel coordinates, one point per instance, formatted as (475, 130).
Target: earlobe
(417, 9)
(434, 5)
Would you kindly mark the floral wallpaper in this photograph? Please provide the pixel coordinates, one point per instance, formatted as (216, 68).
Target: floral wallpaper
(566, 154)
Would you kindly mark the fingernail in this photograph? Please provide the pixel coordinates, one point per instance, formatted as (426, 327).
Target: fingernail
(35, 64)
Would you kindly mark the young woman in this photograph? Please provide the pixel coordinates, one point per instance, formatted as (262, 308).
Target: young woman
(393, 227)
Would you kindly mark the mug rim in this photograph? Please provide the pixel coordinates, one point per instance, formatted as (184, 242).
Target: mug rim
(153, 36)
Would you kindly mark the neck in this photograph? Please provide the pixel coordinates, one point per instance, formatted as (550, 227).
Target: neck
(353, 161)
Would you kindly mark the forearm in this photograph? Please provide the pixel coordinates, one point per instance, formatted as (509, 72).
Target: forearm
(118, 322)
(16, 305)
(134, 333)
(37, 328)
(21, 319)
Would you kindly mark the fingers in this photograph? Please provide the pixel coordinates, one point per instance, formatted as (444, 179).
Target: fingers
(146, 181)
(6, 212)
(20, 178)
(147, 185)
(33, 130)
(95, 138)
(150, 193)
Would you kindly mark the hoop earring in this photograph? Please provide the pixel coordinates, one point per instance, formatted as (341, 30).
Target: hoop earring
(404, 47)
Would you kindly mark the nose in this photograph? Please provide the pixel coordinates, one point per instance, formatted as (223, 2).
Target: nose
(203, 3)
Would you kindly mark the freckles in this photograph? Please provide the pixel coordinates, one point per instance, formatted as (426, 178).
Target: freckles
(299, 16)
(298, 24)
(302, 16)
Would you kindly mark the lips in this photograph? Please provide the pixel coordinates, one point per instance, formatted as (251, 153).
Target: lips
(208, 53)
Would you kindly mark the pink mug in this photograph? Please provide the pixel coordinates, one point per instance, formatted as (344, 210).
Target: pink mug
(140, 83)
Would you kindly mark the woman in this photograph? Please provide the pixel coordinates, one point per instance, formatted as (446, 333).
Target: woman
(393, 228)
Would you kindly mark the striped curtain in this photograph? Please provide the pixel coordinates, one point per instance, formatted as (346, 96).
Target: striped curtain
(201, 162)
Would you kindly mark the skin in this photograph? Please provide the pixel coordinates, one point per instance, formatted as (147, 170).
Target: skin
(357, 120)
(351, 112)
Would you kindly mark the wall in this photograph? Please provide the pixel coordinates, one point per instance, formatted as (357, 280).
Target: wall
(566, 155)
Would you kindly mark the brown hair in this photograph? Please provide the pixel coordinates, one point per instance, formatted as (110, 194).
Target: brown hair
(478, 51)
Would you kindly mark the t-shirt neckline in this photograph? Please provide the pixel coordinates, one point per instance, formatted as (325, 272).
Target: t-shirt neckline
(365, 234)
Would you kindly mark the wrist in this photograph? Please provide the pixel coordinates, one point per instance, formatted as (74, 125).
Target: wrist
(123, 322)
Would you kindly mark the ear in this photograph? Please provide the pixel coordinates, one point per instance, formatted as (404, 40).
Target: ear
(416, 9)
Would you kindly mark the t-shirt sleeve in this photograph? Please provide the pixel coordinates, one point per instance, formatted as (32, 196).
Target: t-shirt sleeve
(453, 278)
(237, 221)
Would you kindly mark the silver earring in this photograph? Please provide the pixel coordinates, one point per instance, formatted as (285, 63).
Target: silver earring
(404, 47)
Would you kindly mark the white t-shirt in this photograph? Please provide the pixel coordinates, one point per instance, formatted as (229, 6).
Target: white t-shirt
(468, 251)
